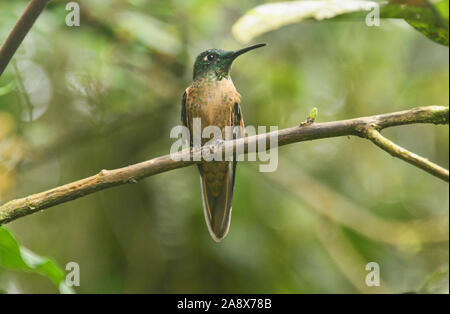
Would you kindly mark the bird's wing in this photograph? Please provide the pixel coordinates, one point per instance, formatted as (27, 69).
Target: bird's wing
(183, 110)
(237, 120)
(185, 115)
(217, 207)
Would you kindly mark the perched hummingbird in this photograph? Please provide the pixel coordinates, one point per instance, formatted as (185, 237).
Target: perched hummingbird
(213, 98)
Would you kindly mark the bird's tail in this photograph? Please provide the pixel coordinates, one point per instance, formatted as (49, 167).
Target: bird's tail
(217, 209)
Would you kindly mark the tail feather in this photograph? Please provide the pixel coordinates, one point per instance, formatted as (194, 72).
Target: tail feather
(217, 209)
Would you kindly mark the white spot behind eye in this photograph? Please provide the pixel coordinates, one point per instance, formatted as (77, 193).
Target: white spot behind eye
(205, 58)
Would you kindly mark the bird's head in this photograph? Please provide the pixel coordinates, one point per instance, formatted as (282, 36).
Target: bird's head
(216, 63)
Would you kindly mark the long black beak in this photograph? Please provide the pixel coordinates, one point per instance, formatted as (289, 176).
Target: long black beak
(237, 53)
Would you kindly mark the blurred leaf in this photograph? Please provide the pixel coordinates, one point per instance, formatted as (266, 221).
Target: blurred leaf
(6, 124)
(15, 257)
(435, 283)
(267, 17)
(434, 25)
(428, 17)
(149, 31)
(6, 88)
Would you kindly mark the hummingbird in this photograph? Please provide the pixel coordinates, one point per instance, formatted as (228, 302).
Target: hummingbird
(213, 99)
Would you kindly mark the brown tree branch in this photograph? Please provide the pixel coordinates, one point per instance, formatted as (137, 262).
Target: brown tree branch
(20, 30)
(400, 152)
(365, 127)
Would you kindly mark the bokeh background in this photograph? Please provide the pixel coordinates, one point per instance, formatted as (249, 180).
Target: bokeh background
(104, 95)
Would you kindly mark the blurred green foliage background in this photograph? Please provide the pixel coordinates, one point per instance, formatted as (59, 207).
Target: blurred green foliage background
(76, 100)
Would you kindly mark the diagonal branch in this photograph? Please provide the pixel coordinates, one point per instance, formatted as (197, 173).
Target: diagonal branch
(365, 127)
(20, 30)
(399, 152)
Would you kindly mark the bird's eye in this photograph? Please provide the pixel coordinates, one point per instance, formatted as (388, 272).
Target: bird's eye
(210, 57)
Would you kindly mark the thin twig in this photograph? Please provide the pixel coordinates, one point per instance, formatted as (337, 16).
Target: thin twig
(399, 152)
(20, 30)
(131, 174)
